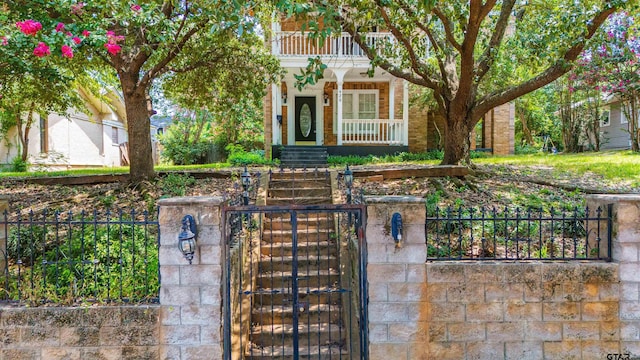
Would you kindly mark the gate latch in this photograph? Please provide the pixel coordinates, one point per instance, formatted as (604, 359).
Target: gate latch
(396, 228)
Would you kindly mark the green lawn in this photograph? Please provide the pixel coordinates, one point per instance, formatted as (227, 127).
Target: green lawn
(612, 165)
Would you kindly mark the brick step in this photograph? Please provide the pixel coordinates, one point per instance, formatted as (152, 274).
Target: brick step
(308, 223)
(293, 192)
(285, 352)
(304, 248)
(310, 174)
(308, 281)
(283, 314)
(310, 295)
(307, 263)
(299, 183)
(300, 200)
(304, 235)
(309, 335)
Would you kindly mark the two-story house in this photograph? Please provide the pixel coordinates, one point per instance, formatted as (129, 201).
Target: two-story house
(352, 113)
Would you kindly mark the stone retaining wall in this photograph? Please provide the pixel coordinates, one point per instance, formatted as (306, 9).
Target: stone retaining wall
(75, 333)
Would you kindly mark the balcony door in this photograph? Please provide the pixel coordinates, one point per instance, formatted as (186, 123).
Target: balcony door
(305, 120)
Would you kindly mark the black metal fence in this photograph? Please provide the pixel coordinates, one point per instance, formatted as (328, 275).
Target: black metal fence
(66, 258)
(515, 234)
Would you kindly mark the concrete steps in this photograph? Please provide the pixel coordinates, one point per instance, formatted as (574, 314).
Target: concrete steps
(304, 156)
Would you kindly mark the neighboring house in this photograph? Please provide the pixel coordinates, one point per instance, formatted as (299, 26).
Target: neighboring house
(76, 139)
(614, 127)
(349, 112)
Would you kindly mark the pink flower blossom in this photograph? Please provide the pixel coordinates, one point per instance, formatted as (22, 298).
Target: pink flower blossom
(113, 48)
(112, 38)
(41, 50)
(135, 7)
(29, 27)
(86, 33)
(4, 42)
(67, 51)
(60, 27)
(76, 40)
(76, 9)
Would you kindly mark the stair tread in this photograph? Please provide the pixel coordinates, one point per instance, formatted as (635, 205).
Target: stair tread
(280, 350)
(280, 259)
(277, 274)
(284, 309)
(288, 329)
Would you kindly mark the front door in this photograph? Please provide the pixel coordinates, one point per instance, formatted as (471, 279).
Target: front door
(305, 120)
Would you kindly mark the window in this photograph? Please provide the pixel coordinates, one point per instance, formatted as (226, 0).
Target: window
(44, 133)
(623, 117)
(356, 104)
(114, 136)
(605, 117)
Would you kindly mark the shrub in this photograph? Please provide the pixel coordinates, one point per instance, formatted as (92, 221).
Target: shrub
(238, 156)
(19, 165)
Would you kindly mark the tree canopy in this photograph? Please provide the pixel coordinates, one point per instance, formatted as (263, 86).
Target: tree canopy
(466, 52)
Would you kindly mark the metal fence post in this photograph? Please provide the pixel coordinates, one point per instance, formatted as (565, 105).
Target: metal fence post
(4, 208)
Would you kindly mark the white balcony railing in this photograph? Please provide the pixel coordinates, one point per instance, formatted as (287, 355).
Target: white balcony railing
(372, 131)
(295, 43)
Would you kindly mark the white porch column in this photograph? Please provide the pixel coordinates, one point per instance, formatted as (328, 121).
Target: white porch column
(405, 113)
(276, 109)
(340, 78)
(392, 103)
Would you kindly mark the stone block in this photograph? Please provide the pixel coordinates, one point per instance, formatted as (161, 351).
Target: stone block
(520, 310)
(9, 336)
(170, 315)
(442, 351)
(485, 312)
(543, 331)
(19, 354)
(209, 235)
(625, 252)
(630, 272)
(140, 352)
(202, 352)
(560, 311)
(437, 331)
(179, 295)
(562, 350)
(503, 292)
(445, 272)
(609, 292)
(102, 316)
(630, 331)
(485, 350)
(409, 332)
(447, 312)
(631, 348)
(407, 254)
(170, 274)
(629, 310)
(39, 337)
(561, 273)
(533, 292)
(552, 292)
(197, 275)
(598, 350)
(520, 350)
(378, 333)
(407, 292)
(386, 273)
(199, 314)
(418, 311)
(60, 354)
(180, 334)
(376, 253)
(171, 255)
(140, 315)
(598, 272)
(466, 331)
(210, 295)
(600, 311)
(386, 351)
(483, 273)
(212, 334)
(387, 312)
(610, 331)
(581, 331)
(522, 273)
(437, 292)
(378, 292)
(505, 331)
(210, 254)
(110, 353)
(416, 273)
(630, 291)
(79, 336)
(465, 292)
(169, 352)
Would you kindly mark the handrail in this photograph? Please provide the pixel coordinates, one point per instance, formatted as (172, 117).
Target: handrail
(295, 43)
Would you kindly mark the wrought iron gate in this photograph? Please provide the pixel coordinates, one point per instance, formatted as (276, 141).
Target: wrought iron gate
(295, 282)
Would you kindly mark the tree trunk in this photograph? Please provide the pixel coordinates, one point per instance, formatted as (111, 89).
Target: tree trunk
(139, 128)
(456, 139)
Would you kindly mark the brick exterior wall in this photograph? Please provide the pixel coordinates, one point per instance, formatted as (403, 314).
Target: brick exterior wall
(268, 122)
(94, 332)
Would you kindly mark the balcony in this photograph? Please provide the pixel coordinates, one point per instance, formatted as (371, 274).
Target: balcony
(290, 44)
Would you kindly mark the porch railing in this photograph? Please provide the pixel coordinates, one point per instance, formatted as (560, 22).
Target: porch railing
(372, 131)
(295, 43)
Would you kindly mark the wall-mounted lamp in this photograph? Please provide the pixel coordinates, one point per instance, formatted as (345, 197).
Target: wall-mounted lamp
(326, 99)
(396, 228)
(284, 98)
(187, 237)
